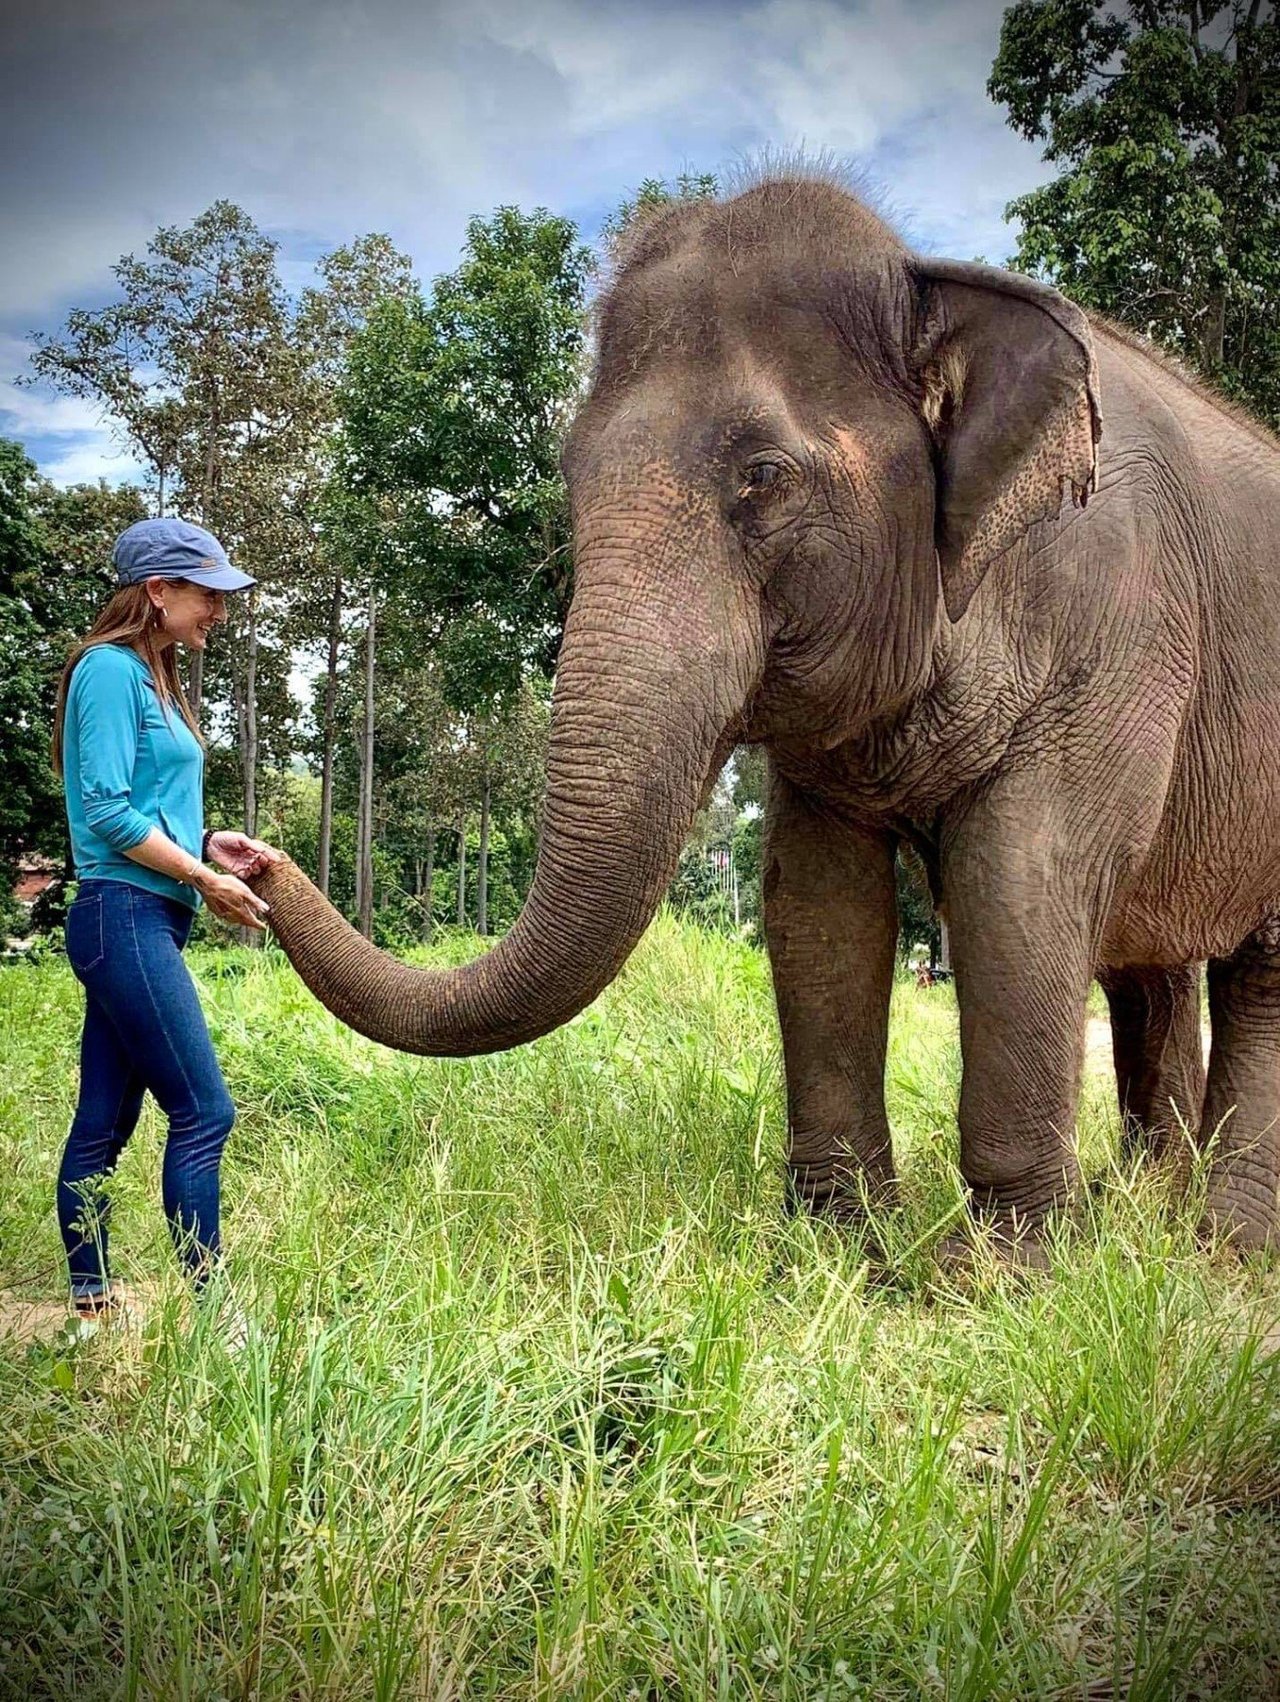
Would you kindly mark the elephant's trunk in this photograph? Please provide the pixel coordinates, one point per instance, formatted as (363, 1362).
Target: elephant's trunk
(639, 729)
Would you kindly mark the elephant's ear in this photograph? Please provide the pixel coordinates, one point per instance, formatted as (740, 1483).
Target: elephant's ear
(1011, 399)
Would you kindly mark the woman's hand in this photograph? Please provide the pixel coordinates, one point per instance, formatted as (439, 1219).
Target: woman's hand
(239, 855)
(230, 899)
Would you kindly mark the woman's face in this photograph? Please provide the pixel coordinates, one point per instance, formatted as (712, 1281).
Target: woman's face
(189, 611)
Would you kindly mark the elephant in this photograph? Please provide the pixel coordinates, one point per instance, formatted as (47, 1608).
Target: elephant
(847, 501)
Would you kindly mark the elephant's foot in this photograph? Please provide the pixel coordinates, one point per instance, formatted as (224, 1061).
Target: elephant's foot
(854, 1203)
(1243, 1225)
(1013, 1244)
(851, 1198)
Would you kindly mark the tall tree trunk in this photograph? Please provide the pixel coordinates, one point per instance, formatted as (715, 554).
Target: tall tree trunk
(429, 881)
(1213, 338)
(462, 868)
(329, 734)
(366, 775)
(244, 703)
(359, 869)
(249, 723)
(482, 867)
(208, 517)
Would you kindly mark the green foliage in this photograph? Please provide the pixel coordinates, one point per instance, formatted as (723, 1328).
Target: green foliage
(657, 192)
(226, 390)
(917, 922)
(454, 409)
(28, 792)
(54, 549)
(447, 510)
(545, 1394)
(1164, 117)
(699, 894)
(194, 361)
(734, 822)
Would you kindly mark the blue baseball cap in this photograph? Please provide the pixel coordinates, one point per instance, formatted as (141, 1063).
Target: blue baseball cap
(173, 549)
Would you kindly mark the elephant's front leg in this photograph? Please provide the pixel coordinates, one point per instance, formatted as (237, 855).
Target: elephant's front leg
(831, 925)
(1022, 913)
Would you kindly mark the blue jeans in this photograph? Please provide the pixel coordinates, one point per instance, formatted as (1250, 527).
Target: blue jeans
(143, 1028)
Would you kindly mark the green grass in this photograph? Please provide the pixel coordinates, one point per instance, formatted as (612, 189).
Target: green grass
(547, 1397)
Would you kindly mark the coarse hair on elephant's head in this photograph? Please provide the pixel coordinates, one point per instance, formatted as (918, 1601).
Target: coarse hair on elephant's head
(797, 434)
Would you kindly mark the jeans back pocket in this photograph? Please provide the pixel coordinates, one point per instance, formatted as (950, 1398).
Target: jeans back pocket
(85, 950)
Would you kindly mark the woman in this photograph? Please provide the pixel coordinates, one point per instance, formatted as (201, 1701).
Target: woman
(132, 761)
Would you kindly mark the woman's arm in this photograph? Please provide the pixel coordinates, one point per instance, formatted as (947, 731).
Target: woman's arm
(229, 898)
(108, 702)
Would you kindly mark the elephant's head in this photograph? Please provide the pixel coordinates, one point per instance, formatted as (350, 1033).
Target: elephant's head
(799, 432)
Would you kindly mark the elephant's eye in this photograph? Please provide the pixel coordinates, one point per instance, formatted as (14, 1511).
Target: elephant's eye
(763, 476)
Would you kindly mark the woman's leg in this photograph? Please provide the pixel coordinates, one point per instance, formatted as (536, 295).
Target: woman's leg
(107, 1112)
(155, 1010)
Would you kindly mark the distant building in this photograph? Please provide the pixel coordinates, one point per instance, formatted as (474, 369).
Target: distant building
(34, 875)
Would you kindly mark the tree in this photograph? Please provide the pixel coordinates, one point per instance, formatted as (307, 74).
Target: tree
(55, 550)
(195, 364)
(356, 533)
(917, 920)
(364, 839)
(354, 280)
(509, 761)
(437, 767)
(1164, 116)
(447, 490)
(455, 407)
(421, 750)
(27, 789)
(78, 526)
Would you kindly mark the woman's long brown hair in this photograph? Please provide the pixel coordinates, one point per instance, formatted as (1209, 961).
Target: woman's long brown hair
(129, 618)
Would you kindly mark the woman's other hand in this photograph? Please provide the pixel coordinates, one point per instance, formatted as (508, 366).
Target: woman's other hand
(241, 856)
(230, 899)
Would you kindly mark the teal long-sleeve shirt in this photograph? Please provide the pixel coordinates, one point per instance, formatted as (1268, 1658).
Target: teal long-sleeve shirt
(129, 764)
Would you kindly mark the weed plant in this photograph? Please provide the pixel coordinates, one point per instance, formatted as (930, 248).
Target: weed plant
(545, 1395)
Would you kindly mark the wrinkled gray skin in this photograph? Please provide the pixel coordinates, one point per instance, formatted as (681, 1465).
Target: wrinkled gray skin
(829, 496)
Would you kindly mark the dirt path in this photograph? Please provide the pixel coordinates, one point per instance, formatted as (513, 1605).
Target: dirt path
(25, 1318)
(1097, 1043)
(30, 1320)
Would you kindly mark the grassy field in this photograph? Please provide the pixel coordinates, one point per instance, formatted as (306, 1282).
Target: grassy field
(544, 1396)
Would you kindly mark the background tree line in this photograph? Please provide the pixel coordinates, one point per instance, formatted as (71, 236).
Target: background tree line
(383, 456)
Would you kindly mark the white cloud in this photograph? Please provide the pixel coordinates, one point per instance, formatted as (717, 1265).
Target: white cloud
(94, 459)
(37, 410)
(332, 117)
(68, 435)
(335, 118)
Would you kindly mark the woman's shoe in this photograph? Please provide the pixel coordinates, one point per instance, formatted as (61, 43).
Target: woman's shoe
(115, 1307)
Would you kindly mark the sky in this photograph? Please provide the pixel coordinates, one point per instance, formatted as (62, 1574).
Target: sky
(326, 119)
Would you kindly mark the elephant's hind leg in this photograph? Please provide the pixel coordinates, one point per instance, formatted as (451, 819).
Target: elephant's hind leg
(1242, 1100)
(831, 925)
(1159, 1058)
